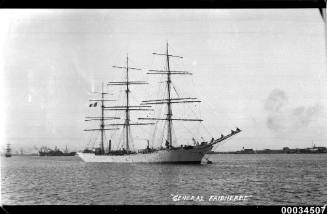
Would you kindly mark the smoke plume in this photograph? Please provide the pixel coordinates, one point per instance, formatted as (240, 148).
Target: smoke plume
(284, 119)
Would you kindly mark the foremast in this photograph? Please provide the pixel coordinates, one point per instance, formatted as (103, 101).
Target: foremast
(169, 100)
(102, 118)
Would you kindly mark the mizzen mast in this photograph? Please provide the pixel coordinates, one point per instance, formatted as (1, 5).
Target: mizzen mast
(169, 100)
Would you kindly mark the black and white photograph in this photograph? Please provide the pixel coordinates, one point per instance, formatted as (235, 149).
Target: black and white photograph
(222, 107)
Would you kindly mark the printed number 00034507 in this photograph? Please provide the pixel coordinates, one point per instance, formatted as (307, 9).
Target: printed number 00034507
(303, 210)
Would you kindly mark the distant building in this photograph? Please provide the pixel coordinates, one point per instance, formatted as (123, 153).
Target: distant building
(247, 151)
(286, 150)
(322, 149)
(266, 151)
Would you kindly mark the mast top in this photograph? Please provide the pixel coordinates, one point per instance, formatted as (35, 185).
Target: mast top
(169, 100)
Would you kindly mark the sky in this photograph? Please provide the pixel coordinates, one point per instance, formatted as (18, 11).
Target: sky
(262, 70)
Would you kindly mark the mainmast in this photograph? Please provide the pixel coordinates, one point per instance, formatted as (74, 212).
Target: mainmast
(169, 100)
(127, 108)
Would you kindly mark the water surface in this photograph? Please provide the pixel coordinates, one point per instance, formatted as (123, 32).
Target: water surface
(270, 179)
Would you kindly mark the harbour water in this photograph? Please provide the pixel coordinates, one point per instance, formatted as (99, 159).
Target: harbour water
(273, 179)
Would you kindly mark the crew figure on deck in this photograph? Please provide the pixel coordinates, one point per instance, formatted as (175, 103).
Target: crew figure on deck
(167, 144)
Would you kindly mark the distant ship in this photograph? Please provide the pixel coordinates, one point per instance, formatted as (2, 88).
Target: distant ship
(169, 153)
(45, 151)
(8, 151)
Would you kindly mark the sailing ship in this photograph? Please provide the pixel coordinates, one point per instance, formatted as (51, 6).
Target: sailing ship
(170, 153)
(8, 151)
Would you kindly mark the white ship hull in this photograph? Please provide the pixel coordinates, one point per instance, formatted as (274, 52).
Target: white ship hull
(180, 155)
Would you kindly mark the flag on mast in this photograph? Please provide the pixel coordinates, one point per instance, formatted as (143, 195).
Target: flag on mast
(93, 105)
